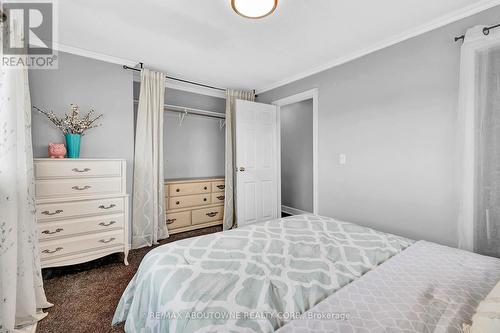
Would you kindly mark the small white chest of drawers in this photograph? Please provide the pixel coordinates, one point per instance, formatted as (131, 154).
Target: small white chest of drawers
(81, 208)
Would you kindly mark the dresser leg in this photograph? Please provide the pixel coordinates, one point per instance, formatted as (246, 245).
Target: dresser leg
(125, 257)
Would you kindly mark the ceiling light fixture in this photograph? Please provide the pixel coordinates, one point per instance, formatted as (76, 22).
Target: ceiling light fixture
(254, 9)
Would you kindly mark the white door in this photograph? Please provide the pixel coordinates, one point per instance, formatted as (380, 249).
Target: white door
(256, 162)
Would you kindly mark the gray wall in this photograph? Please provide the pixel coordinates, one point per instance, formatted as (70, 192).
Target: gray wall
(297, 155)
(88, 83)
(195, 149)
(393, 113)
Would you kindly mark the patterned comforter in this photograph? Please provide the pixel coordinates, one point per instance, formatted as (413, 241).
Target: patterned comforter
(427, 288)
(252, 279)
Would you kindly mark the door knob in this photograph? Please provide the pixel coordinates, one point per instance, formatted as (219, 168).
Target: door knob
(242, 168)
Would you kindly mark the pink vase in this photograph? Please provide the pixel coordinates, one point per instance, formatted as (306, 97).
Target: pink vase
(57, 150)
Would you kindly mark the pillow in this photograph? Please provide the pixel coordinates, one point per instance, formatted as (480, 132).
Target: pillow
(487, 317)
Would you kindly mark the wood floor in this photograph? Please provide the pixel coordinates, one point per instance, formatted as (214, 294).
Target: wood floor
(85, 296)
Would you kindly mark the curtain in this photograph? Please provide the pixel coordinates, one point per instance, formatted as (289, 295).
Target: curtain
(21, 286)
(479, 131)
(148, 214)
(229, 207)
(487, 182)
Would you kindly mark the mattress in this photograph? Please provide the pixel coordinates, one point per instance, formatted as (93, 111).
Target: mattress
(426, 288)
(255, 278)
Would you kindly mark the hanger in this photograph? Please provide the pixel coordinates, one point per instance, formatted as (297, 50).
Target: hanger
(222, 123)
(182, 116)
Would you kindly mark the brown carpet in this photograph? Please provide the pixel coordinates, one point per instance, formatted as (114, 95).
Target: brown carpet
(85, 296)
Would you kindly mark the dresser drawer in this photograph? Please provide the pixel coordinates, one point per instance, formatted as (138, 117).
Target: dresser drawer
(72, 245)
(189, 201)
(188, 189)
(218, 197)
(63, 210)
(178, 220)
(52, 229)
(78, 187)
(207, 215)
(218, 186)
(78, 168)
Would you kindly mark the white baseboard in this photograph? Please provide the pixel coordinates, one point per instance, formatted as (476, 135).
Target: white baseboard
(293, 211)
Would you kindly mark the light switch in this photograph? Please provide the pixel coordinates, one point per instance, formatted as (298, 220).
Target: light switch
(342, 159)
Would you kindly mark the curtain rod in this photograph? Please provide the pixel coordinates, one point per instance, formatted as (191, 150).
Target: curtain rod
(177, 79)
(486, 32)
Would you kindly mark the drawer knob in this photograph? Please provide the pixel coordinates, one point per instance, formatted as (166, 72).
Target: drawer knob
(107, 207)
(170, 221)
(221, 187)
(46, 212)
(52, 251)
(204, 199)
(205, 188)
(178, 190)
(83, 188)
(177, 202)
(212, 214)
(107, 240)
(48, 232)
(80, 170)
(104, 224)
(221, 197)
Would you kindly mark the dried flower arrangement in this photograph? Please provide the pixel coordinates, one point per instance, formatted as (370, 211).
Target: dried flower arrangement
(72, 123)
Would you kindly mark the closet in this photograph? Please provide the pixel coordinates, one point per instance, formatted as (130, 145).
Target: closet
(193, 145)
(194, 159)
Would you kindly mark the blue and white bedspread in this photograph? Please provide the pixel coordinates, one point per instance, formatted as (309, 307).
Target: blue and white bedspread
(252, 279)
(426, 288)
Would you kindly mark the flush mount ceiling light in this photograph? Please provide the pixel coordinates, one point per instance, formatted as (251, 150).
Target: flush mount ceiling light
(254, 9)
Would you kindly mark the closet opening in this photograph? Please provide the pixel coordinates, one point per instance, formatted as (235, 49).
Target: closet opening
(193, 160)
(193, 145)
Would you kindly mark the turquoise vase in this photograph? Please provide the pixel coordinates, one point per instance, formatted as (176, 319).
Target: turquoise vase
(73, 145)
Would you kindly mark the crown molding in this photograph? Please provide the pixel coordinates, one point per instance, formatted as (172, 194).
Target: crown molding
(435, 24)
(93, 55)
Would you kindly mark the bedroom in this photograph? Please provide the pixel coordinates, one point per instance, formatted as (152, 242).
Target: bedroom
(397, 138)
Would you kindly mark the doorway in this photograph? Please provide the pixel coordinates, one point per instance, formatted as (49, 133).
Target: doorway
(297, 145)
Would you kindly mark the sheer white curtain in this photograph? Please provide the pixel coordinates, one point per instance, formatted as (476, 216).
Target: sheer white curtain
(479, 134)
(231, 97)
(148, 215)
(21, 286)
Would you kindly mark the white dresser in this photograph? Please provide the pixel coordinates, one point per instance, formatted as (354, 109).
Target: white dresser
(81, 208)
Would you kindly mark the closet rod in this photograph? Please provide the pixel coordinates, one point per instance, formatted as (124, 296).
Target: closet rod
(486, 32)
(198, 112)
(177, 79)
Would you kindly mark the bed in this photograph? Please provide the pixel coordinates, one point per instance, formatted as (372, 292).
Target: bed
(426, 288)
(270, 276)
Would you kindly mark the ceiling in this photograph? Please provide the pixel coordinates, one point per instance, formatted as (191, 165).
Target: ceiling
(203, 40)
